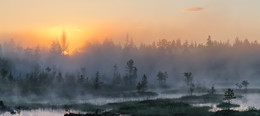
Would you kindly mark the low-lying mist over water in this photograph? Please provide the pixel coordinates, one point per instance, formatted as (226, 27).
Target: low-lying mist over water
(129, 58)
(107, 73)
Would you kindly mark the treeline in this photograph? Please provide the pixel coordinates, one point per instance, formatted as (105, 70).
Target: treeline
(41, 68)
(49, 82)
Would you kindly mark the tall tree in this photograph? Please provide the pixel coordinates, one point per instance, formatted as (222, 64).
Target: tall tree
(3, 73)
(161, 77)
(144, 82)
(116, 76)
(131, 76)
(55, 48)
(209, 42)
(59, 78)
(139, 87)
(142, 86)
(212, 90)
(96, 81)
(229, 95)
(10, 78)
(245, 84)
(188, 78)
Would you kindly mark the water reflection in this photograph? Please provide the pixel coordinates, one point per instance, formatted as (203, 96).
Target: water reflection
(38, 113)
(104, 100)
(214, 107)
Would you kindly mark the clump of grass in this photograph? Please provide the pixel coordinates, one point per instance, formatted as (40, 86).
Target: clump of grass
(157, 107)
(85, 107)
(227, 105)
(207, 98)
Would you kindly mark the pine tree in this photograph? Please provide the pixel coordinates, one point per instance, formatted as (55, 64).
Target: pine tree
(229, 95)
(96, 81)
(144, 83)
(139, 87)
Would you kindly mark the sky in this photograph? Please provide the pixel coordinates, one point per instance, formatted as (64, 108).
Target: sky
(35, 22)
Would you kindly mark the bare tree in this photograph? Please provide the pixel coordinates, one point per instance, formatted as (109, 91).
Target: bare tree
(192, 87)
(239, 86)
(188, 78)
(245, 84)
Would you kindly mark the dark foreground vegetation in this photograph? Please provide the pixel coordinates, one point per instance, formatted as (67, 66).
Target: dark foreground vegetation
(158, 107)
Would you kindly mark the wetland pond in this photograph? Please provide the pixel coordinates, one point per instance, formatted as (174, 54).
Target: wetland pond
(250, 100)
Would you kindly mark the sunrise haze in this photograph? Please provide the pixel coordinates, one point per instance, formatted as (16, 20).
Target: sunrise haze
(40, 22)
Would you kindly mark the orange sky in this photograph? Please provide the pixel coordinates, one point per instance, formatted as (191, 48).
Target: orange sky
(34, 22)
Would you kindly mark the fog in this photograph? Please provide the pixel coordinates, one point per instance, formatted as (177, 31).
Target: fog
(104, 66)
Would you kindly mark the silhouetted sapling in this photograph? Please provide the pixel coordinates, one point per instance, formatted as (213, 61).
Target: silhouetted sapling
(245, 84)
(162, 78)
(131, 74)
(188, 79)
(96, 81)
(212, 90)
(192, 87)
(229, 95)
(142, 86)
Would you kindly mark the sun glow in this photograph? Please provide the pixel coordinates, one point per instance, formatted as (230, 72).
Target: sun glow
(76, 36)
(65, 53)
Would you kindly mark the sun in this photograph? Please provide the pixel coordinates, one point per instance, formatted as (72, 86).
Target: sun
(65, 53)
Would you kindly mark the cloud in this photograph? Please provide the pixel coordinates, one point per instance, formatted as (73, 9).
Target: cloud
(194, 9)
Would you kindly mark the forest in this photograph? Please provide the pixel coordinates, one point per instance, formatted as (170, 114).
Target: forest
(115, 67)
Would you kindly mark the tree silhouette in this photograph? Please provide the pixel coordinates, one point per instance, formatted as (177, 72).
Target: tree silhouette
(48, 69)
(229, 95)
(4, 73)
(162, 78)
(81, 80)
(144, 83)
(209, 42)
(142, 86)
(192, 87)
(96, 81)
(139, 87)
(131, 76)
(55, 48)
(10, 78)
(59, 78)
(212, 90)
(245, 84)
(116, 77)
(188, 78)
(239, 86)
